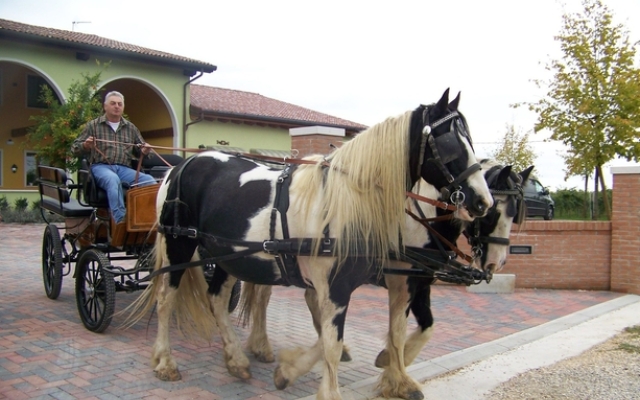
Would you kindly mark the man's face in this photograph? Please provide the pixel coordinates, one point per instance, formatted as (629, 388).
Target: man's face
(113, 107)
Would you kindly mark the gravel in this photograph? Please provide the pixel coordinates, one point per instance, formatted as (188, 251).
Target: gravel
(602, 372)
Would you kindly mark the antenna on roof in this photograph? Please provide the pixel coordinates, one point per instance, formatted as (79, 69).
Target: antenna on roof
(74, 23)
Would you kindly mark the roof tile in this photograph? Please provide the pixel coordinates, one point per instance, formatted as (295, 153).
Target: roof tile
(91, 40)
(228, 101)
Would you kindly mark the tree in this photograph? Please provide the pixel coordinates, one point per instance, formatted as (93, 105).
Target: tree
(515, 150)
(57, 128)
(593, 101)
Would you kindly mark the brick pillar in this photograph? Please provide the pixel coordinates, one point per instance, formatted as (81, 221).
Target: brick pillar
(625, 230)
(315, 139)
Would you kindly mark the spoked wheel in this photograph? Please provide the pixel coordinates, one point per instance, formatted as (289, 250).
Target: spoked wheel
(235, 296)
(52, 261)
(95, 290)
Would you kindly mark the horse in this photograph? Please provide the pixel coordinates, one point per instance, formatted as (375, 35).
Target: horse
(331, 211)
(489, 237)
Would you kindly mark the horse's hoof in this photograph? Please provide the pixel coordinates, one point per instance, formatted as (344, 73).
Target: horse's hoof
(383, 359)
(265, 358)
(279, 380)
(345, 357)
(168, 375)
(417, 395)
(240, 373)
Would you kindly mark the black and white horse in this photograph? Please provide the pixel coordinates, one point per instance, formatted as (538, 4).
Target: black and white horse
(489, 237)
(302, 226)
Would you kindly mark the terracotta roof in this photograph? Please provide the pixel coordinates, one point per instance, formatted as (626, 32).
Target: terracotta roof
(83, 41)
(235, 104)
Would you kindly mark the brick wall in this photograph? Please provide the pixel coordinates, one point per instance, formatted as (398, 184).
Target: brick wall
(315, 140)
(625, 240)
(314, 144)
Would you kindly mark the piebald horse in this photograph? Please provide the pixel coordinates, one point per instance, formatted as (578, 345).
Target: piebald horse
(489, 237)
(302, 226)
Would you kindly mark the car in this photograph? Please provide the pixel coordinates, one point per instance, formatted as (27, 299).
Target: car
(539, 202)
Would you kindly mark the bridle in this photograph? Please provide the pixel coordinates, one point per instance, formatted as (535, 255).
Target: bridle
(452, 192)
(514, 188)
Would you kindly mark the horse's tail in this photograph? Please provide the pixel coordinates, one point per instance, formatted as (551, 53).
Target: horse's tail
(247, 300)
(191, 310)
(146, 301)
(254, 298)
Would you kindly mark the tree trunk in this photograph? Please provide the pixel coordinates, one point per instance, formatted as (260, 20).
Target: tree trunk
(595, 195)
(605, 196)
(587, 202)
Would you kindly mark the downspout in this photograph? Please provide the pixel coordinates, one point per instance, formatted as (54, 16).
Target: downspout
(185, 111)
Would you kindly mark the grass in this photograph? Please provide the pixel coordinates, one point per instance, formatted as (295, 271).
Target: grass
(633, 332)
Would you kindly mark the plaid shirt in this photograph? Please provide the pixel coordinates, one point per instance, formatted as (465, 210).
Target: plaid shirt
(119, 146)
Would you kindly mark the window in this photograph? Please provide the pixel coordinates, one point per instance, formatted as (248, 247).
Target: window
(30, 173)
(34, 91)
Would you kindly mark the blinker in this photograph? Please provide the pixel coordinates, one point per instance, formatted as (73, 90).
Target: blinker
(448, 147)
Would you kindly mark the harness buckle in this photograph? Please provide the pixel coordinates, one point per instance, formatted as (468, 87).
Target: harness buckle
(192, 233)
(269, 246)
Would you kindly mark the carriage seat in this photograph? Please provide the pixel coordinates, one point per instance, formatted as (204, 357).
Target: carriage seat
(92, 194)
(156, 166)
(55, 195)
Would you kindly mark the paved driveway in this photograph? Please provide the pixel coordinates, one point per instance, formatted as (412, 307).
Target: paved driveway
(45, 352)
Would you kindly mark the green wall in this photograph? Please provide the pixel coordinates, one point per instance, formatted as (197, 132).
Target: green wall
(238, 135)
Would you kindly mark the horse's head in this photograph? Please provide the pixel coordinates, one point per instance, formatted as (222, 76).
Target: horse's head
(442, 154)
(489, 236)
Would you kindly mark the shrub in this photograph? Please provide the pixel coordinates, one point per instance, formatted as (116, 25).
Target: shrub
(4, 204)
(21, 204)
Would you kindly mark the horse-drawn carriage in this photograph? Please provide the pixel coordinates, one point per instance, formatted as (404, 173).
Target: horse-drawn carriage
(108, 258)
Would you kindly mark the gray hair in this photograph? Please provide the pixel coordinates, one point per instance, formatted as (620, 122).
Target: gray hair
(113, 93)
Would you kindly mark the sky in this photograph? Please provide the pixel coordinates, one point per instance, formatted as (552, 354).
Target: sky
(362, 61)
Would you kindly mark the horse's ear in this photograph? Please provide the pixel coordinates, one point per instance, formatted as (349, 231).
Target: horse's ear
(442, 104)
(503, 176)
(453, 106)
(525, 174)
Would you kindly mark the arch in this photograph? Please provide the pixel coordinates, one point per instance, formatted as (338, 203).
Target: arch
(142, 114)
(54, 85)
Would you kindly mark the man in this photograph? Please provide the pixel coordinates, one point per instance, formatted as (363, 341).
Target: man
(108, 142)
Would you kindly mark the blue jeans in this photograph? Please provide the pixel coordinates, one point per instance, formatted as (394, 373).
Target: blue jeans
(109, 178)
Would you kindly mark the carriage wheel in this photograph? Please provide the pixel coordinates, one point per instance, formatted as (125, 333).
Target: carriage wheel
(95, 290)
(52, 262)
(235, 296)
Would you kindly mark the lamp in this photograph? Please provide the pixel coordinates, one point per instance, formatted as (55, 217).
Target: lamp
(14, 168)
(10, 142)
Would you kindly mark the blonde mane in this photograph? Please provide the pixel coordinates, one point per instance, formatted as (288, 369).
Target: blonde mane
(363, 196)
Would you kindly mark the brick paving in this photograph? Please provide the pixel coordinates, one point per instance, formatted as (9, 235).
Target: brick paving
(46, 353)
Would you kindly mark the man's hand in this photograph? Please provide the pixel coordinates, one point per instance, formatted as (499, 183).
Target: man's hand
(145, 148)
(89, 143)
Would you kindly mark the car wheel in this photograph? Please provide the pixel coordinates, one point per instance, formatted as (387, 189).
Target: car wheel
(548, 216)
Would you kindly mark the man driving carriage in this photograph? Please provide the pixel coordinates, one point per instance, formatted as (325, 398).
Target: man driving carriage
(108, 143)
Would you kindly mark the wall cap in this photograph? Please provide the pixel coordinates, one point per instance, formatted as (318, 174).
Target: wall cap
(629, 169)
(317, 130)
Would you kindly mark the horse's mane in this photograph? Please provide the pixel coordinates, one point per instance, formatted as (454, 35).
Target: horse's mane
(364, 190)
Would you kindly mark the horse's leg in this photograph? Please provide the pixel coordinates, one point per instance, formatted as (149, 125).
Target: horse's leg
(163, 364)
(333, 301)
(258, 342)
(394, 381)
(312, 302)
(421, 309)
(220, 287)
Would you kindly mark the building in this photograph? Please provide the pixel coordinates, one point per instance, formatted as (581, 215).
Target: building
(162, 98)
